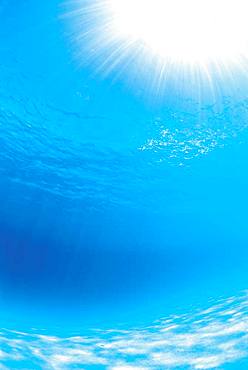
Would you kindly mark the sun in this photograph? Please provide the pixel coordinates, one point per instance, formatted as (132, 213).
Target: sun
(167, 33)
(185, 31)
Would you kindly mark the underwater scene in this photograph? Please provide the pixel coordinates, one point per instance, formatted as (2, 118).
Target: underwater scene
(123, 185)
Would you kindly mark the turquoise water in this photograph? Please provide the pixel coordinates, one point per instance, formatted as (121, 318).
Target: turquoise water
(123, 218)
(214, 337)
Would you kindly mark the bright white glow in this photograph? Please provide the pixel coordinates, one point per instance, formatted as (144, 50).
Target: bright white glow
(187, 31)
(194, 43)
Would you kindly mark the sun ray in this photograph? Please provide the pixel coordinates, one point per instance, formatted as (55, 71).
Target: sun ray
(160, 38)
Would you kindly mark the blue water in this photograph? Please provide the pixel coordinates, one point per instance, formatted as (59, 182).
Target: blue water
(123, 214)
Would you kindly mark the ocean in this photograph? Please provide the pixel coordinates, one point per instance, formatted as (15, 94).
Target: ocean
(123, 217)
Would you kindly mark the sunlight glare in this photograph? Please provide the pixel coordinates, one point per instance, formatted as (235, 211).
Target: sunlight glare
(184, 31)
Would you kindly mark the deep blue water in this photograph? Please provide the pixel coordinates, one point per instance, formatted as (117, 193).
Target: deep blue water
(119, 207)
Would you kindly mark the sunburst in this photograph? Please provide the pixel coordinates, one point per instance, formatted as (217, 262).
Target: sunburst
(157, 38)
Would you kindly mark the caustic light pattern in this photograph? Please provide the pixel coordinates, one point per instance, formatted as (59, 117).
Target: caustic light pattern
(204, 339)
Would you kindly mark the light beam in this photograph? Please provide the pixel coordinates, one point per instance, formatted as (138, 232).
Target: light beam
(164, 34)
